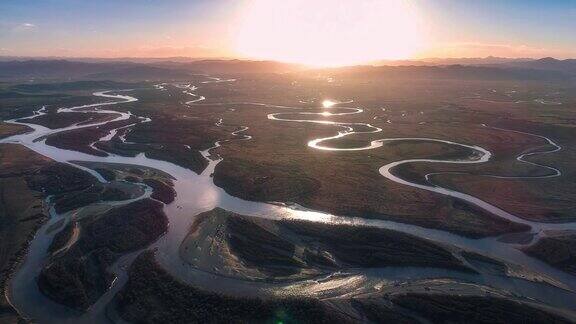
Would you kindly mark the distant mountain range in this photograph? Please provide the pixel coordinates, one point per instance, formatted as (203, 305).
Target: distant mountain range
(122, 70)
(63, 69)
(233, 66)
(547, 63)
(460, 72)
(181, 69)
(452, 61)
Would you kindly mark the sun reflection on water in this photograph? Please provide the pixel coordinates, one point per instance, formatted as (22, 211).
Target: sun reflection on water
(328, 103)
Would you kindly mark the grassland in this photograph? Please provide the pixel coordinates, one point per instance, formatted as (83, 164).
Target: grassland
(556, 248)
(21, 212)
(26, 179)
(78, 277)
(267, 250)
(11, 129)
(277, 165)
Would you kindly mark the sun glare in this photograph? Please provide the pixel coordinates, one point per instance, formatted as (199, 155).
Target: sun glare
(328, 103)
(328, 32)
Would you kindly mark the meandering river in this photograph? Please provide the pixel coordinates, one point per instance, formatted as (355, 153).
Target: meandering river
(196, 193)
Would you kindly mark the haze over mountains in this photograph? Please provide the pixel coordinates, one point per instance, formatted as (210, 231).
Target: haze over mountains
(181, 68)
(58, 69)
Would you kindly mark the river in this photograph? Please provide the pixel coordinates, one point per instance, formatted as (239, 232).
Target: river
(196, 193)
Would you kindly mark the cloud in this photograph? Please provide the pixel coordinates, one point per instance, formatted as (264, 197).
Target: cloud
(25, 27)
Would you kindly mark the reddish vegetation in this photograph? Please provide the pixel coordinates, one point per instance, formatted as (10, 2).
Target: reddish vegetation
(557, 249)
(11, 129)
(516, 196)
(161, 191)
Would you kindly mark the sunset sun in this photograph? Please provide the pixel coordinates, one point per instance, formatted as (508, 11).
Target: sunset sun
(328, 33)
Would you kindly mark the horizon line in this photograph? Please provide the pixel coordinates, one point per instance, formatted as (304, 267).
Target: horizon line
(232, 58)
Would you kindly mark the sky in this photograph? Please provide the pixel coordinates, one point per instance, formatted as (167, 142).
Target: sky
(290, 30)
